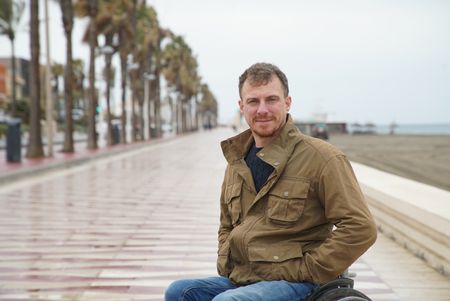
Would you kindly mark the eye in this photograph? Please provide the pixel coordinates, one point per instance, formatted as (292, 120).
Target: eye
(273, 99)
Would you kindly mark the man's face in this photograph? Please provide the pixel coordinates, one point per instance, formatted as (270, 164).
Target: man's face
(264, 108)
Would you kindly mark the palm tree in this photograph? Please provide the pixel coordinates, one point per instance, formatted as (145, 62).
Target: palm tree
(78, 79)
(113, 22)
(157, 35)
(180, 71)
(10, 14)
(196, 103)
(208, 106)
(160, 64)
(126, 35)
(109, 79)
(105, 26)
(35, 149)
(89, 8)
(142, 53)
(67, 18)
(134, 73)
(148, 35)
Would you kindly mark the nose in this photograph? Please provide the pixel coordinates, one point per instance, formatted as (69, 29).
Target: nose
(262, 108)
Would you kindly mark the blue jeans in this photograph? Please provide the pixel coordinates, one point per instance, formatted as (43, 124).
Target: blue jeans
(221, 289)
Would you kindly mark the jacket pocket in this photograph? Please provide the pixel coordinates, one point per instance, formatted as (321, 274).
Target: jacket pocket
(286, 201)
(276, 261)
(233, 201)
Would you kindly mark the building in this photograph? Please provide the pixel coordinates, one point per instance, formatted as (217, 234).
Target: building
(3, 85)
(332, 127)
(22, 80)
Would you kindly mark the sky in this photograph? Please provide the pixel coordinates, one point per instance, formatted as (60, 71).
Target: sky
(378, 61)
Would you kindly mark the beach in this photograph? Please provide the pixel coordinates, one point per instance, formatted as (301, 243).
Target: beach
(423, 158)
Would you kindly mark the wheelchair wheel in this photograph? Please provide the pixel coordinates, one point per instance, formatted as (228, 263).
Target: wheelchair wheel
(343, 294)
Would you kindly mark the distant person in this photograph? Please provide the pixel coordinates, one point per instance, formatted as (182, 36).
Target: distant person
(282, 194)
(392, 127)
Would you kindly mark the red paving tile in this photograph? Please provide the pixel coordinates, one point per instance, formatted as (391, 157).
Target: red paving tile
(58, 157)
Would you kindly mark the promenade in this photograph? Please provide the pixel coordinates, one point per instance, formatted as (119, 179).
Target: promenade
(122, 226)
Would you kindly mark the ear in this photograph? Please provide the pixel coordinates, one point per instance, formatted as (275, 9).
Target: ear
(287, 103)
(241, 105)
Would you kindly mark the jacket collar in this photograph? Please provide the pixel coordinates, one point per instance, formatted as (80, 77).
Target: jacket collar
(275, 153)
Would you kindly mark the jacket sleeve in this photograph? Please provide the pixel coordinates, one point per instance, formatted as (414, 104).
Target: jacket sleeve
(355, 230)
(225, 227)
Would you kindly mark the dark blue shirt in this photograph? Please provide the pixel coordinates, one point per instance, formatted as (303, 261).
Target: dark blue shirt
(260, 169)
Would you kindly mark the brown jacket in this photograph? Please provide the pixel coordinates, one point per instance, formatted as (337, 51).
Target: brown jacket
(286, 230)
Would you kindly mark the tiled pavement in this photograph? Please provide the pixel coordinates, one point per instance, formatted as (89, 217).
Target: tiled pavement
(124, 227)
(11, 171)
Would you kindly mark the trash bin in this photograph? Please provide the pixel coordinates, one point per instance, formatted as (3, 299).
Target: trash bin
(115, 134)
(13, 141)
(153, 132)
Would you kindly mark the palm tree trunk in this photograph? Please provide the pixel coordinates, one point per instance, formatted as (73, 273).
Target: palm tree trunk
(35, 149)
(68, 96)
(179, 110)
(134, 101)
(189, 115)
(195, 112)
(150, 108)
(92, 133)
(134, 75)
(133, 116)
(67, 12)
(108, 100)
(123, 119)
(140, 106)
(108, 57)
(172, 113)
(158, 104)
(153, 128)
(183, 115)
(175, 110)
(56, 98)
(141, 121)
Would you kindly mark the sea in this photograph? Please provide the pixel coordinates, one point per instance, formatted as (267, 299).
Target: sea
(414, 129)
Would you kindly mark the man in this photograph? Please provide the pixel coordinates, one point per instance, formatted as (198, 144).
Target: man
(282, 194)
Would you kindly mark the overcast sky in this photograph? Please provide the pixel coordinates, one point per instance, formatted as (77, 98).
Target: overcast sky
(355, 60)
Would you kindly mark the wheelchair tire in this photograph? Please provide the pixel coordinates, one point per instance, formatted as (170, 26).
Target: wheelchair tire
(343, 294)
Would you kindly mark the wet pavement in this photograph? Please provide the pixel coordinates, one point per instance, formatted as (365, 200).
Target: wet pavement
(123, 227)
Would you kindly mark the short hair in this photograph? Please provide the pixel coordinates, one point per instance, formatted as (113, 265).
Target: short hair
(261, 74)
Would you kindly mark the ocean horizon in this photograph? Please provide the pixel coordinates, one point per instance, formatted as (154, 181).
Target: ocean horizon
(413, 129)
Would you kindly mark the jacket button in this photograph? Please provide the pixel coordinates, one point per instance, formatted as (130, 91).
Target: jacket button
(276, 257)
(261, 154)
(276, 163)
(286, 193)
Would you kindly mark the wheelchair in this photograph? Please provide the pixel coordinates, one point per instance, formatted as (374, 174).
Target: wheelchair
(340, 289)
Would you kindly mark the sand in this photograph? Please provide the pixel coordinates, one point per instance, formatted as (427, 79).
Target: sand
(421, 158)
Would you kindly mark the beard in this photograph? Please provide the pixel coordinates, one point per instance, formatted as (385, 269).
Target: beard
(267, 131)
